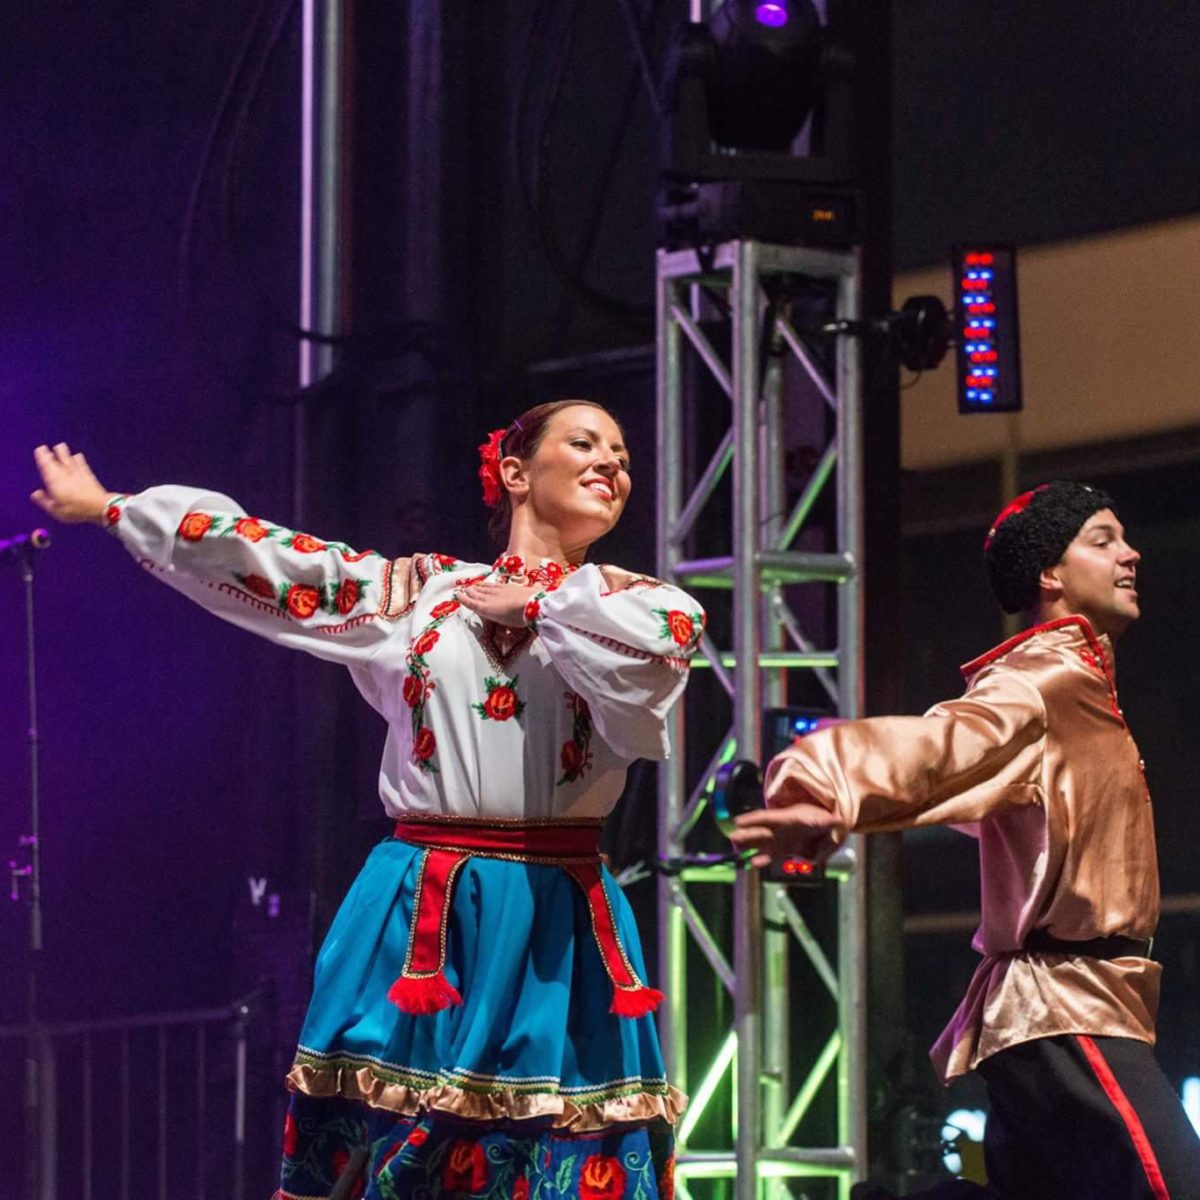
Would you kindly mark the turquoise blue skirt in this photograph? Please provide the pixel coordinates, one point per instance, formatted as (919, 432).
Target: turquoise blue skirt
(531, 1062)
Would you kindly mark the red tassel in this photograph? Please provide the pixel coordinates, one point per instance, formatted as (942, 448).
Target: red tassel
(423, 993)
(635, 1002)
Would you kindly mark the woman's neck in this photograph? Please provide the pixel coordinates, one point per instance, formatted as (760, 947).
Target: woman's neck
(536, 545)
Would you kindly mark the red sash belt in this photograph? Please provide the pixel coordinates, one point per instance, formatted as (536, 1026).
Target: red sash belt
(449, 842)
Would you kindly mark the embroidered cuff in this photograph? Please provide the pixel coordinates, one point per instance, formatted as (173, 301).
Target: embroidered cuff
(114, 508)
(533, 610)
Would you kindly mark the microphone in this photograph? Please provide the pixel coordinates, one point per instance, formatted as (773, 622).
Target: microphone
(24, 543)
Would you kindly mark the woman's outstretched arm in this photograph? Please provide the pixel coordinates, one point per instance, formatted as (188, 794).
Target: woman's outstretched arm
(289, 587)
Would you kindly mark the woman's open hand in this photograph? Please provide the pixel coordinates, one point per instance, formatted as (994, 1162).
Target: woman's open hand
(503, 603)
(69, 491)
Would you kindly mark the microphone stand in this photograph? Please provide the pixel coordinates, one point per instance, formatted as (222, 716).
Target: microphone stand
(22, 550)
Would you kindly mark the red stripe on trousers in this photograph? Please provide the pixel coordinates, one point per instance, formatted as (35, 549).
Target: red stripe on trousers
(1114, 1091)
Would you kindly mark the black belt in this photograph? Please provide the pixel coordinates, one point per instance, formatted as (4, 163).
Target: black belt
(1101, 947)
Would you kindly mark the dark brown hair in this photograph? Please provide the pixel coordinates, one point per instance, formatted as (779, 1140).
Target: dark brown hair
(522, 438)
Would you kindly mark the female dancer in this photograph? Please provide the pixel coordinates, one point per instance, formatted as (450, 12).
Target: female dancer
(480, 1021)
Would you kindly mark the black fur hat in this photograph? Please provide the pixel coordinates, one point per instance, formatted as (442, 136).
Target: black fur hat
(1031, 534)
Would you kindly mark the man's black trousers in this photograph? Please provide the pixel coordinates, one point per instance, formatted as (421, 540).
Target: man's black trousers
(1086, 1118)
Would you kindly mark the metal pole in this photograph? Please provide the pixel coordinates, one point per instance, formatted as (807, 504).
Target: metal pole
(239, 1105)
(852, 1118)
(747, 890)
(321, 203)
(39, 1157)
(672, 944)
(776, 998)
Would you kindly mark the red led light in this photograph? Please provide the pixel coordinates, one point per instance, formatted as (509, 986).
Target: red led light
(980, 381)
(982, 356)
(979, 259)
(981, 309)
(975, 285)
(797, 866)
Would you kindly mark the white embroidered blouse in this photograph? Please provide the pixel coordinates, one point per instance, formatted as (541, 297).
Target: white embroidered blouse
(481, 722)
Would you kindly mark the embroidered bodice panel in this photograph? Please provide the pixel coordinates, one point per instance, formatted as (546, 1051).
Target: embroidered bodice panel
(482, 721)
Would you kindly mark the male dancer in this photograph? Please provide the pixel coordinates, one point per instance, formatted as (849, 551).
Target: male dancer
(1036, 761)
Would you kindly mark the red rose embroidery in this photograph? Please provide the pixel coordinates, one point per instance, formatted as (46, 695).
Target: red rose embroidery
(340, 1162)
(350, 557)
(251, 528)
(414, 687)
(302, 601)
(602, 1178)
(445, 562)
(349, 593)
(291, 1136)
(666, 1181)
(444, 609)
(381, 1166)
(306, 544)
(576, 754)
(465, 1169)
(571, 757)
(259, 586)
(681, 627)
(510, 564)
(194, 526)
(419, 1135)
(501, 703)
(521, 1189)
(424, 745)
(533, 610)
(425, 643)
(112, 514)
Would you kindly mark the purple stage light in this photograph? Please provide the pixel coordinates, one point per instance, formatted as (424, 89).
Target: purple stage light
(774, 15)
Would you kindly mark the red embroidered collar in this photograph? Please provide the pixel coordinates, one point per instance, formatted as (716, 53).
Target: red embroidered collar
(1084, 625)
(513, 566)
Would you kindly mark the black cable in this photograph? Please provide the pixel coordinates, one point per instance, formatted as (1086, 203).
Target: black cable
(599, 199)
(535, 190)
(633, 27)
(191, 208)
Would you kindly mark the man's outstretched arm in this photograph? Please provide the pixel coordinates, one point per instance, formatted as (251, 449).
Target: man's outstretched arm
(954, 765)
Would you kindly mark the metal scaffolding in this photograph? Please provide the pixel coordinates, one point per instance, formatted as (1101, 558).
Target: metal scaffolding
(767, 1104)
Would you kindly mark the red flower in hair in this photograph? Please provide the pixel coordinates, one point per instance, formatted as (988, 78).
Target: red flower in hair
(489, 468)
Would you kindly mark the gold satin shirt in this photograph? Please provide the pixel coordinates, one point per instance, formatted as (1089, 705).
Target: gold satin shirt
(1036, 762)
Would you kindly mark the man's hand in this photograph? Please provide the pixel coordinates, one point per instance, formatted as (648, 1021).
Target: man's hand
(69, 491)
(503, 603)
(801, 830)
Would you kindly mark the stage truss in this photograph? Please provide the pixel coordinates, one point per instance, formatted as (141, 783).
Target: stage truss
(749, 1061)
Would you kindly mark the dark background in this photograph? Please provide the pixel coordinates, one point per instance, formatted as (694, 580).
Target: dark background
(148, 235)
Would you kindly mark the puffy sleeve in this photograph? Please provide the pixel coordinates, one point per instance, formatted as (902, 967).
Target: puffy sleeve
(622, 642)
(289, 587)
(962, 760)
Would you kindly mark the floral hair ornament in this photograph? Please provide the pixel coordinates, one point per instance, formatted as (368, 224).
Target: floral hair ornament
(489, 468)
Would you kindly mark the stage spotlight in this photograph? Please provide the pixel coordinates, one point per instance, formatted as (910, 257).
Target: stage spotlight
(757, 125)
(765, 75)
